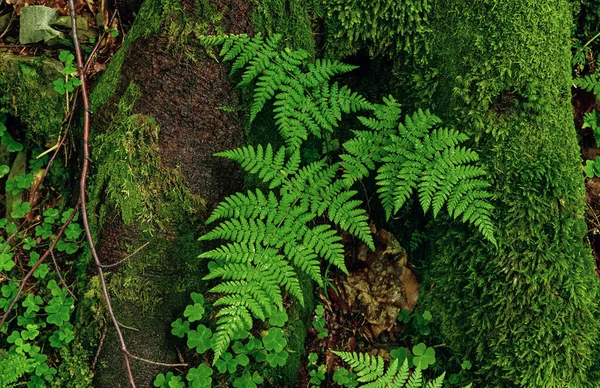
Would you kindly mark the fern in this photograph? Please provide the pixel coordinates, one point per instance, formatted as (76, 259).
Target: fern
(306, 102)
(371, 371)
(590, 83)
(419, 156)
(273, 235)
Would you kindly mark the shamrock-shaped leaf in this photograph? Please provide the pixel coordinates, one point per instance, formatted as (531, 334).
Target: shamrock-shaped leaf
(277, 359)
(274, 340)
(404, 316)
(201, 339)
(194, 312)
(20, 209)
(41, 271)
(279, 318)
(200, 377)
(227, 363)
(59, 310)
(6, 261)
(400, 354)
(253, 344)
(427, 316)
(466, 365)
(248, 381)
(317, 376)
(242, 359)
(424, 356)
(59, 86)
(313, 358)
(345, 378)
(180, 328)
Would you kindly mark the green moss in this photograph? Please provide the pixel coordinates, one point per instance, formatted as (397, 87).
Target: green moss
(74, 370)
(526, 313)
(291, 18)
(130, 176)
(26, 87)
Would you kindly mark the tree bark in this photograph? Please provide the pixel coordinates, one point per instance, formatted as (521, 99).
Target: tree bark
(525, 311)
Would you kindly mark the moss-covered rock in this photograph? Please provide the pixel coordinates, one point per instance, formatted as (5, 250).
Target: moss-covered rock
(525, 312)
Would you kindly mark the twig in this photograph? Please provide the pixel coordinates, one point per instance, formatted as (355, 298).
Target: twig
(154, 362)
(12, 17)
(100, 346)
(128, 327)
(82, 193)
(62, 280)
(97, 46)
(127, 258)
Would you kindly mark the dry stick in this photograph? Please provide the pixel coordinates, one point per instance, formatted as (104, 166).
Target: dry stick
(154, 362)
(12, 17)
(44, 256)
(82, 194)
(97, 46)
(126, 258)
(62, 280)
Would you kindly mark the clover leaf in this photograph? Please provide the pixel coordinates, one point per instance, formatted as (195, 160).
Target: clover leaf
(180, 328)
(20, 209)
(6, 261)
(274, 340)
(194, 312)
(248, 381)
(279, 318)
(227, 363)
(201, 339)
(345, 378)
(404, 316)
(200, 377)
(277, 359)
(424, 356)
(466, 365)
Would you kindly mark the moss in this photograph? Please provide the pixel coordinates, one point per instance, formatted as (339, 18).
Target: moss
(291, 18)
(525, 312)
(131, 177)
(26, 90)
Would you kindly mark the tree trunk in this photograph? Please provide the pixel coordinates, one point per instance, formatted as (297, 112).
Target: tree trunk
(156, 125)
(525, 311)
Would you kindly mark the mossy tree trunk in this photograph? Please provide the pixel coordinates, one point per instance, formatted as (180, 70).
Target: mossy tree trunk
(526, 311)
(155, 126)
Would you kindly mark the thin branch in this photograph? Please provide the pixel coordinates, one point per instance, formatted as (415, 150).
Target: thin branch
(12, 17)
(82, 193)
(97, 46)
(62, 280)
(128, 327)
(126, 258)
(154, 362)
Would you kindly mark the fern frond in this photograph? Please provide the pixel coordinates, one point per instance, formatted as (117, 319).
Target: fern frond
(245, 206)
(590, 83)
(230, 320)
(371, 371)
(258, 161)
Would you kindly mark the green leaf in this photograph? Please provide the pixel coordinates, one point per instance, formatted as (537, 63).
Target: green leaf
(201, 339)
(200, 377)
(274, 340)
(180, 328)
(194, 312)
(6, 262)
(278, 318)
(277, 359)
(4, 169)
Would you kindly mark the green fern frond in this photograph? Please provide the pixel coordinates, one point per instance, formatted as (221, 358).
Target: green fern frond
(590, 83)
(371, 371)
(305, 103)
(270, 236)
(415, 155)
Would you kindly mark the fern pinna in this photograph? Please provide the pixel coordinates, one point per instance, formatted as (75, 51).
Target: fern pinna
(418, 154)
(306, 102)
(371, 371)
(273, 235)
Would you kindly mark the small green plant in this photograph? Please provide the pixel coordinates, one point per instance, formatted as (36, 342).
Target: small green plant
(592, 168)
(69, 81)
(319, 322)
(371, 370)
(345, 378)
(315, 370)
